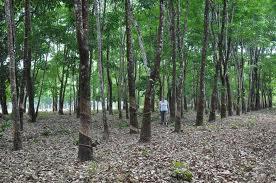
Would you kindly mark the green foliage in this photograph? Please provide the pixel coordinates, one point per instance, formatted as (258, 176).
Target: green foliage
(246, 124)
(35, 141)
(44, 115)
(180, 170)
(251, 123)
(46, 132)
(145, 152)
(76, 140)
(53, 29)
(235, 125)
(212, 127)
(92, 168)
(64, 131)
(5, 125)
(123, 124)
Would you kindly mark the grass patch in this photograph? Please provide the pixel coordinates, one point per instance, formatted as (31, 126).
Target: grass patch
(35, 141)
(180, 171)
(64, 131)
(44, 115)
(145, 152)
(5, 125)
(92, 167)
(247, 124)
(123, 124)
(235, 125)
(46, 132)
(251, 123)
(76, 140)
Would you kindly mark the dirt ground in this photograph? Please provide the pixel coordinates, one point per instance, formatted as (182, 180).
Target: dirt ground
(237, 149)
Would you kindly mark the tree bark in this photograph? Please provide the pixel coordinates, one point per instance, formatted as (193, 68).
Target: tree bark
(121, 74)
(257, 79)
(212, 115)
(222, 62)
(27, 60)
(109, 80)
(85, 152)
(182, 56)
(214, 97)
(3, 95)
(145, 134)
(62, 85)
(152, 100)
(126, 99)
(238, 68)
(229, 96)
(201, 95)
(17, 142)
(173, 59)
(133, 122)
(140, 41)
(100, 67)
(41, 87)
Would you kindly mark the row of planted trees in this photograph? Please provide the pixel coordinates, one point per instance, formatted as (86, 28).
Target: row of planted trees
(215, 57)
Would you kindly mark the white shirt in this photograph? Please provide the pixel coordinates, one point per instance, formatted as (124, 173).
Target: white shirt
(163, 105)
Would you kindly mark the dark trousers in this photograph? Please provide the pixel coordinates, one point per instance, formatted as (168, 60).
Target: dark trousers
(163, 114)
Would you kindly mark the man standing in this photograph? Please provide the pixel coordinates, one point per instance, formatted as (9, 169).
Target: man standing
(164, 108)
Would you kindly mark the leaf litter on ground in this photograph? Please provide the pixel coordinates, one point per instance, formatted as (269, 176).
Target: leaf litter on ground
(235, 149)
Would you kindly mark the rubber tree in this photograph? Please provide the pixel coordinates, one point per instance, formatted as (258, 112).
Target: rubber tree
(133, 122)
(100, 70)
(17, 142)
(145, 134)
(85, 151)
(201, 90)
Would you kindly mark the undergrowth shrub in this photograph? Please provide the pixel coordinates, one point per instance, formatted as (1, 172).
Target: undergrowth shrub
(92, 168)
(180, 171)
(123, 124)
(76, 140)
(145, 152)
(3, 126)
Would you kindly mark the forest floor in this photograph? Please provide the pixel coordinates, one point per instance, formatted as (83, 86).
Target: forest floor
(236, 149)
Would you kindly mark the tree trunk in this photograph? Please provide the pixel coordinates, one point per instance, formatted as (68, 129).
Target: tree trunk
(212, 115)
(229, 96)
(119, 100)
(27, 60)
(270, 98)
(85, 152)
(152, 100)
(61, 98)
(201, 95)
(145, 134)
(41, 87)
(182, 54)
(100, 67)
(125, 106)
(78, 99)
(140, 41)
(109, 80)
(173, 47)
(222, 62)
(251, 93)
(257, 79)
(21, 101)
(3, 96)
(120, 77)
(54, 96)
(17, 142)
(133, 122)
